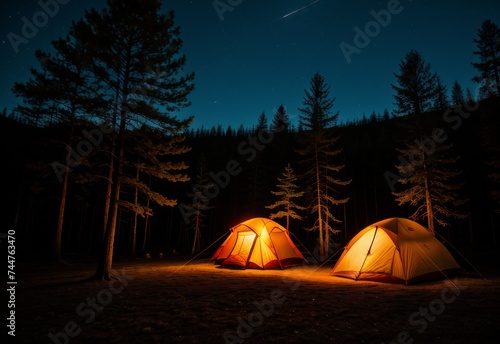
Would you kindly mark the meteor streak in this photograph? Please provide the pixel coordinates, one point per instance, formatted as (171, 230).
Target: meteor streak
(300, 9)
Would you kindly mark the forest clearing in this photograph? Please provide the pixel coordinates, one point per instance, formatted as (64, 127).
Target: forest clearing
(176, 301)
(140, 134)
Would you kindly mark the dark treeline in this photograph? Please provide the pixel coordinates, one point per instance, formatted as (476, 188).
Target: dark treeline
(241, 170)
(97, 164)
(220, 130)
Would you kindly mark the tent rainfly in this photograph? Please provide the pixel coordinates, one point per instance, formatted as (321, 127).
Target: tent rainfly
(395, 250)
(258, 243)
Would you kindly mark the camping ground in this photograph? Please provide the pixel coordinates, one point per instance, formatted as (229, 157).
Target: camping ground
(174, 300)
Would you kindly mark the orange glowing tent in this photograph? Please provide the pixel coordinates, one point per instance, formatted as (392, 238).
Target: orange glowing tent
(395, 250)
(258, 243)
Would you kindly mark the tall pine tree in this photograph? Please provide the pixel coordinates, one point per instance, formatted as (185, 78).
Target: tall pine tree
(136, 59)
(262, 123)
(441, 102)
(63, 92)
(430, 183)
(288, 190)
(488, 52)
(457, 94)
(149, 160)
(416, 85)
(281, 120)
(317, 144)
(199, 204)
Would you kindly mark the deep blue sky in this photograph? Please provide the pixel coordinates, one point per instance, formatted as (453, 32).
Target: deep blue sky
(257, 57)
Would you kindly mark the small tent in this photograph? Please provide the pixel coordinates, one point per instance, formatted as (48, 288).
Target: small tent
(258, 243)
(395, 250)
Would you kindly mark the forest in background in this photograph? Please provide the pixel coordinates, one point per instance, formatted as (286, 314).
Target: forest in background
(99, 165)
(368, 152)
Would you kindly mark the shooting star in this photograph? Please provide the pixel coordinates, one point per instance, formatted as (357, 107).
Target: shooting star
(300, 9)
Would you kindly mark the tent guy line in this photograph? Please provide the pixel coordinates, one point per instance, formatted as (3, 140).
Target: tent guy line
(199, 254)
(461, 255)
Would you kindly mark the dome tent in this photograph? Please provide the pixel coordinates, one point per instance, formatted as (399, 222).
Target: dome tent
(258, 243)
(395, 250)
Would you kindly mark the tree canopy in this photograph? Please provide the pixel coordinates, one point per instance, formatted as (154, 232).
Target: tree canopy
(416, 85)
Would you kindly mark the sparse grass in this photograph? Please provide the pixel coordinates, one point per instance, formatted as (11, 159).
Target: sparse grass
(166, 302)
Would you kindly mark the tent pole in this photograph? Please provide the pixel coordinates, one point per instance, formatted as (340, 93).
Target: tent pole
(367, 253)
(251, 249)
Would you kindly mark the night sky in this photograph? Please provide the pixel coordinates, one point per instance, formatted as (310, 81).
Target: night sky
(260, 54)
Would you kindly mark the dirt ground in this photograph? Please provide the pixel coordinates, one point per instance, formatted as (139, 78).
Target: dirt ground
(175, 301)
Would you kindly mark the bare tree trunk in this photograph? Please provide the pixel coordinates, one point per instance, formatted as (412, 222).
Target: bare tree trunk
(320, 217)
(428, 203)
(106, 260)
(60, 219)
(196, 240)
(327, 228)
(62, 205)
(288, 216)
(133, 236)
(146, 226)
(109, 187)
(107, 199)
(345, 224)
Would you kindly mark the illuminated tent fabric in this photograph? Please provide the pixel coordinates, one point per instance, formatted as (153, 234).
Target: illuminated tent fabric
(258, 243)
(395, 250)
